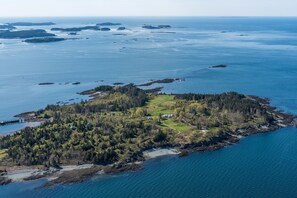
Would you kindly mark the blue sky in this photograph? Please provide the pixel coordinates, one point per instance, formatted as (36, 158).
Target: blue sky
(148, 7)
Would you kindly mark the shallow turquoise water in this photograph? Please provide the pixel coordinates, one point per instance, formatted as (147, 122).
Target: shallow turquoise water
(261, 62)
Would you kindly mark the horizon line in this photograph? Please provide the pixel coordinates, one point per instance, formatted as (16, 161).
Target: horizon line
(69, 16)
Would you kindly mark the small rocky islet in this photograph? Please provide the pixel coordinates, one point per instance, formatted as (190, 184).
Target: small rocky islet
(218, 66)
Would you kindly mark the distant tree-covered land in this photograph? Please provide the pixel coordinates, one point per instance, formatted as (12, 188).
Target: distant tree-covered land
(7, 27)
(108, 24)
(31, 24)
(76, 29)
(123, 121)
(156, 27)
(24, 34)
(44, 40)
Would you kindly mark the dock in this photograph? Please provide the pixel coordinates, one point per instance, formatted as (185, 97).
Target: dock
(6, 122)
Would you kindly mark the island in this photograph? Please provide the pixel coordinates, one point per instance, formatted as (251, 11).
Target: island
(121, 28)
(164, 26)
(163, 81)
(46, 83)
(76, 29)
(25, 34)
(112, 132)
(108, 24)
(118, 83)
(44, 40)
(31, 24)
(218, 66)
(7, 27)
(105, 29)
(156, 27)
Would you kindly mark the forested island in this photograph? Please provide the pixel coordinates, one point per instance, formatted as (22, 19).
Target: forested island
(44, 40)
(31, 24)
(156, 27)
(7, 27)
(76, 29)
(109, 24)
(25, 34)
(112, 130)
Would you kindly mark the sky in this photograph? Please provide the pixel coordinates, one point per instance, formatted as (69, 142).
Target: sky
(28, 8)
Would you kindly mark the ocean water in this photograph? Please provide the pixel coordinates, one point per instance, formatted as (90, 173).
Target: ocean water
(261, 58)
(260, 166)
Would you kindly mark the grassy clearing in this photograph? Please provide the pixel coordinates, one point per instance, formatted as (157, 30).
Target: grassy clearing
(161, 104)
(3, 154)
(165, 104)
(177, 126)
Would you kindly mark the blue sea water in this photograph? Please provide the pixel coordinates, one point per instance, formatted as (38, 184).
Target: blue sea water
(261, 58)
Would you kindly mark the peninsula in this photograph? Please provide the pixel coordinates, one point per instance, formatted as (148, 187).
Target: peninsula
(114, 129)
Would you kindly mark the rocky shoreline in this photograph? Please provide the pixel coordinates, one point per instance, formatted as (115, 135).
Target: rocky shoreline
(63, 175)
(79, 173)
(163, 81)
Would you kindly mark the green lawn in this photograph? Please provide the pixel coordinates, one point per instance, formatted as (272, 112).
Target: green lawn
(177, 126)
(2, 154)
(164, 104)
(161, 104)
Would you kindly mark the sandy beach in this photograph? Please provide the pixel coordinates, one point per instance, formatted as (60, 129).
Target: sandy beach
(154, 153)
(21, 175)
